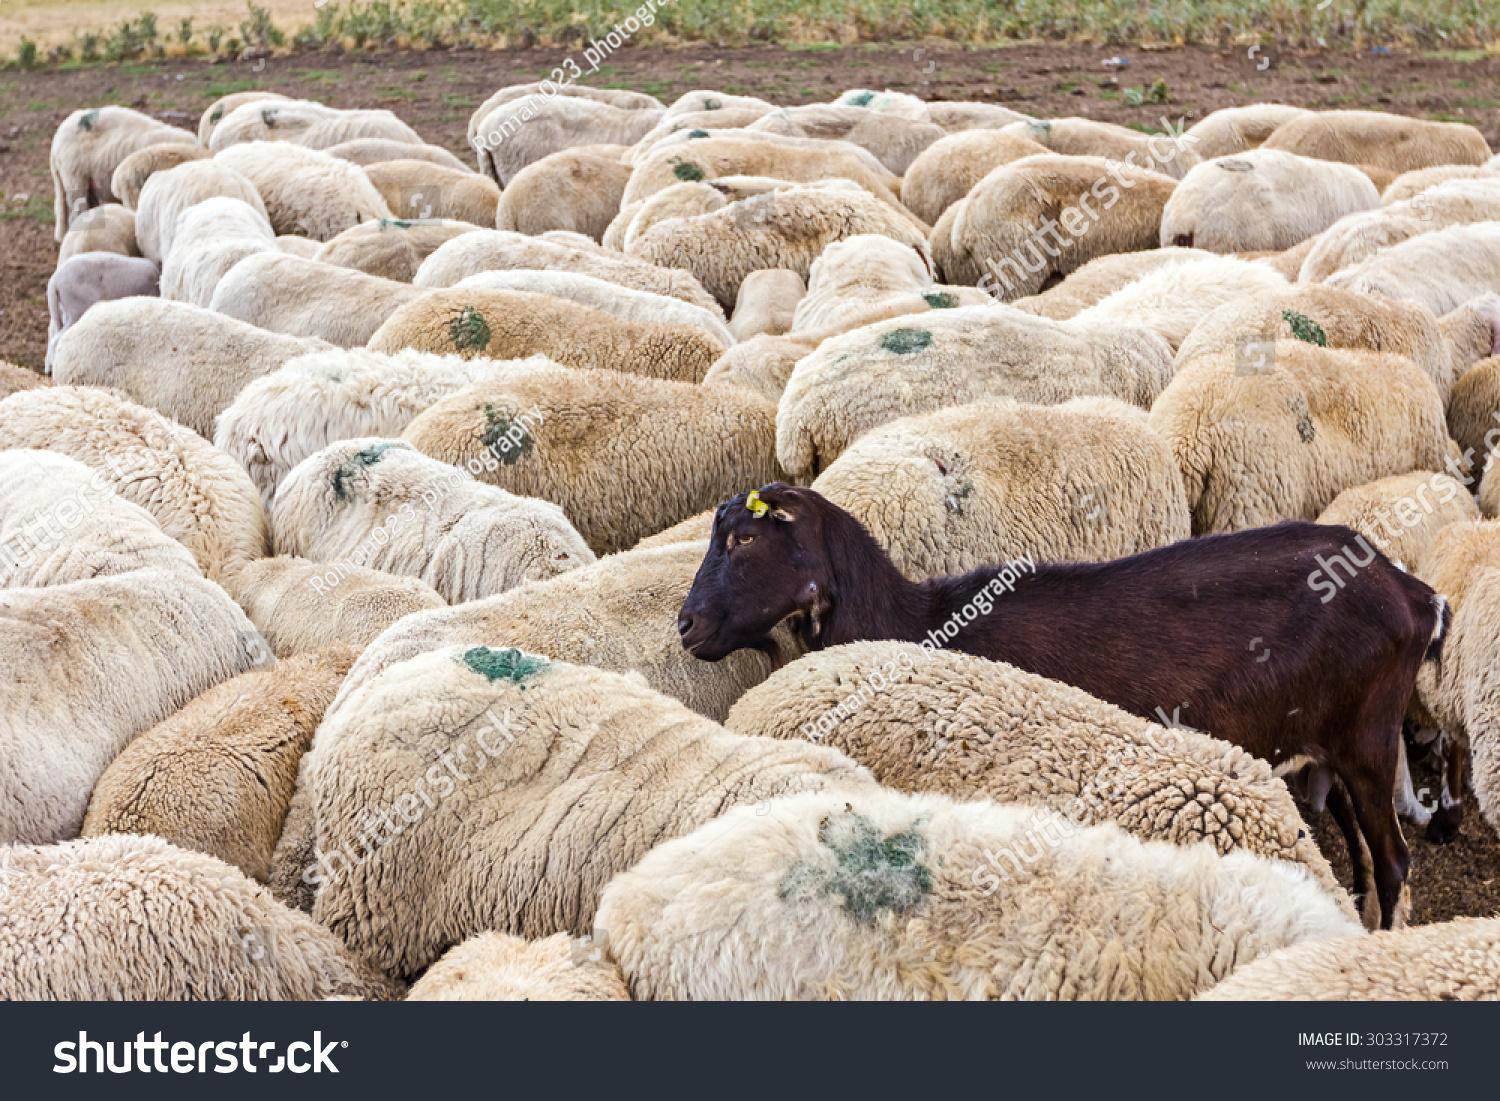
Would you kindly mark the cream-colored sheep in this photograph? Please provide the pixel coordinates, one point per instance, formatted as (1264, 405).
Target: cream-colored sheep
(1231, 130)
(1442, 270)
(62, 522)
(768, 300)
(708, 99)
(1357, 238)
(419, 189)
(367, 151)
(217, 776)
(199, 495)
(949, 491)
(614, 97)
(1474, 411)
(299, 605)
(498, 250)
(523, 131)
(997, 236)
(497, 967)
(563, 776)
(340, 127)
(780, 229)
(958, 116)
(170, 192)
(761, 365)
(1280, 438)
(219, 108)
(304, 247)
(389, 248)
(854, 274)
(1450, 961)
(381, 503)
(1409, 185)
(87, 148)
(107, 228)
(338, 394)
(151, 922)
(680, 200)
(282, 293)
(726, 118)
(15, 378)
(897, 104)
(623, 456)
(1174, 298)
(908, 366)
(305, 191)
(951, 723)
(1082, 137)
(90, 278)
(619, 614)
(874, 894)
(211, 238)
(136, 169)
(576, 189)
(253, 119)
(895, 141)
(476, 323)
(1100, 278)
(948, 169)
(1263, 199)
(1393, 142)
(1403, 514)
(1473, 332)
(86, 666)
(1489, 494)
(1327, 316)
(126, 344)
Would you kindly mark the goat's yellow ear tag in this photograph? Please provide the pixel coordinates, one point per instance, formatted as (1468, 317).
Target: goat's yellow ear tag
(755, 504)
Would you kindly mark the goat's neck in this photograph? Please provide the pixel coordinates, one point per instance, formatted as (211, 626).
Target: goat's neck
(872, 599)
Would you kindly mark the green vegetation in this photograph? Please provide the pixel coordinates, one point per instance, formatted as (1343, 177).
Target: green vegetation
(1451, 29)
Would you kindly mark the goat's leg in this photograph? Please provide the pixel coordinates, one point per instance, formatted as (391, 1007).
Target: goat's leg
(1449, 816)
(1360, 861)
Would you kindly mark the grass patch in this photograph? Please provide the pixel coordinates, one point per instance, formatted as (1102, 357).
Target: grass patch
(37, 207)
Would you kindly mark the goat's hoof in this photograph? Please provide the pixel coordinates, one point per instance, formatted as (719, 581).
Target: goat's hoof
(1444, 825)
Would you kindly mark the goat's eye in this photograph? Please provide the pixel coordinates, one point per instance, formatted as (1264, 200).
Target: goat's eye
(733, 541)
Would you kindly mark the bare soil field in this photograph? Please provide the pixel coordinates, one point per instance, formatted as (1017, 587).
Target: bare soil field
(436, 90)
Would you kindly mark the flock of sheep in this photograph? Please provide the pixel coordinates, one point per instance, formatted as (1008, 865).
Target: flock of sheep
(343, 549)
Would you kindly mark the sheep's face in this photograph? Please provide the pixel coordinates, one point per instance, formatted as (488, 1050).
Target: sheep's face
(765, 562)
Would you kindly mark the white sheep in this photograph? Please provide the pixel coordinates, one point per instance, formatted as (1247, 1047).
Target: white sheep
(948, 169)
(305, 191)
(853, 274)
(522, 131)
(388, 248)
(87, 148)
(211, 238)
(1231, 130)
(107, 228)
(576, 189)
(1442, 270)
(894, 140)
(133, 172)
(169, 193)
(497, 967)
(768, 299)
(88, 278)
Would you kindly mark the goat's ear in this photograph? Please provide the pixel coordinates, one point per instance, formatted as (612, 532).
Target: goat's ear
(782, 514)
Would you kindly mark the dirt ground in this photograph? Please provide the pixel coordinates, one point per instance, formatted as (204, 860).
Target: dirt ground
(435, 91)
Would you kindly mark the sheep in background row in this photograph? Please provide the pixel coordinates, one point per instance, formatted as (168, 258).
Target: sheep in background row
(1100, 278)
(725, 118)
(151, 922)
(254, 119)
(958, 725)
(893, 140)
(1231, 130)
(762, 365)
(577, 189)
(87, 148)
(708, 99)
(1442, 270)
(476, 323)
(523, 131)
(389, 248)
(1408, 185)
(217, 776)
(996, 480)
(896, 104)
(497, 967)
(956, 116)
(381, 503)
(88, 278)
(1393, 142)
(1281, 438)
(199, 495)
(211, 238)
(169, 193)
(299, 605)
(1262, 199)
(140, 166)
(1397, 515)
(367, 151)
(419, 189)
(306, 192)
(1082, 137)
(281, 293)
(948, 169)
(614, 97)
(912, 365)
(536, 829)
(107, 228)
(215, 112)
(342, 127)
(119, 345)
(852, 895)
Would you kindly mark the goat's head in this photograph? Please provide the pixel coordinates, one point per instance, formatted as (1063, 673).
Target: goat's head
(765, 562)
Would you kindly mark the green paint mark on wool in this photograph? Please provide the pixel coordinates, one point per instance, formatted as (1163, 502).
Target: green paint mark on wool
(268, 116)
(941, 300)
(685, 171)
(861, 99)
(507, 664)
(905, 341)
(871, 873)
(506, 439)
(1306, 430)
(216, 114)
(395, 223)
(697, 133)
(1305, 328)
(87, 119)
(362, 460)
(469, 329)
(712, 104)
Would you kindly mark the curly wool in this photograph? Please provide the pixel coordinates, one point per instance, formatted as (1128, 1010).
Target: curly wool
(389, 248)
(767, 303)
(854, 274)
(213, 237)
(383, 504)
(1402, 515)
(354, 606)
(1450, 961)
(893, 140)
(962, 726)
(1231, 130)
(497, 967)
(948, 169)
(168, 194)
(576, 189)
(908, 366)
(946, 492)
(129, 918)
(474, 322)
(762, 365)
(873, 894)
(107, 228)
(1393, 142)
(136, 169)
(421, 189)
(15, 378)
(217, 776)
(1256, 447)
(663, 450)
(1413, 183)
(199, 495)
(306, 192)
(522, 836)
(88, 146)
(1442, 269)
(1100, 278)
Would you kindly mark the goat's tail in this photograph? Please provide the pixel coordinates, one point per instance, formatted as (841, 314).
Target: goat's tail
(1439, 632)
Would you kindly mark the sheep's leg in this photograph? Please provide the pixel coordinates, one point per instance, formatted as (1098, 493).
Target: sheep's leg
(1445, 823)
(59, 207)
(1360, 861)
